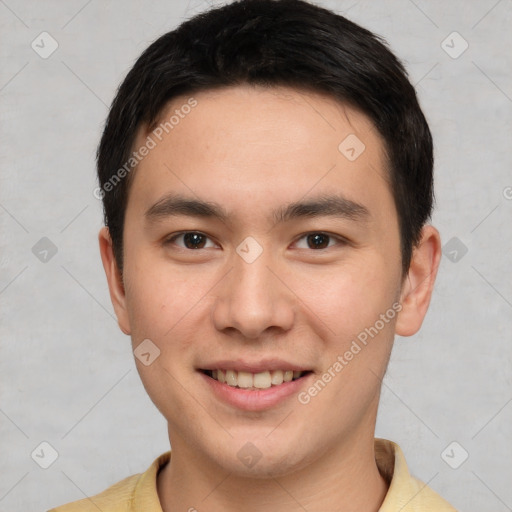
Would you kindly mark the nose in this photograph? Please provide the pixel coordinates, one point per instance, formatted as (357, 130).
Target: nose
(253, 299)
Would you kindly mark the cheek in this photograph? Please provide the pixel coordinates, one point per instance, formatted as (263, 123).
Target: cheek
(348, 298)
(357, 343)
(158, 296)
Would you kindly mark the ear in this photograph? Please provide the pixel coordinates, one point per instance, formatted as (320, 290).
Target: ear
(418, 285)
(115, 282)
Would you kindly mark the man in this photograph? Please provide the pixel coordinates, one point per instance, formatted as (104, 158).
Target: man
(266, 175)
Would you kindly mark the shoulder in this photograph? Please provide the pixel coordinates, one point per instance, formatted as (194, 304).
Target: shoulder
(136, 492)
(405, 493)
(116, 498)
(424, 499)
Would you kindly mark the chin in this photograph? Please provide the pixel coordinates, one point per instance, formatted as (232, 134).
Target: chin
(262, 458)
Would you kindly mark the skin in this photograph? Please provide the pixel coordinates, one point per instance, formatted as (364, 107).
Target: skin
(252, 150)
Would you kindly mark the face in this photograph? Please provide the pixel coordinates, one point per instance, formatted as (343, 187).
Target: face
(262, 244)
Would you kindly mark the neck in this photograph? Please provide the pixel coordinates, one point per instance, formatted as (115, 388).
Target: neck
(346, 478)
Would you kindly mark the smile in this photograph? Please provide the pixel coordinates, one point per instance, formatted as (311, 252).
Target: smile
(254, 381)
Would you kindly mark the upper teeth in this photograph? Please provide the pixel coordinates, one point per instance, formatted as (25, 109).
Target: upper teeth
(262, 380)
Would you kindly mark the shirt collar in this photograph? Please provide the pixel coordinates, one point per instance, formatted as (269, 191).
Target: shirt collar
(388, 455)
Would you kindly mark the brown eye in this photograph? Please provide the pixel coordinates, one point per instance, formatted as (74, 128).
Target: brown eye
(194, 240)
(318, 241)
(191, 240)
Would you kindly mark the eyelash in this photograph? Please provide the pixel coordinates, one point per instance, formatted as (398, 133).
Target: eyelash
(340, 240)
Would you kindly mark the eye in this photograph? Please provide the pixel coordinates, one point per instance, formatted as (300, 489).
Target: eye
(318, 241)
(191, 240)
(197, 240)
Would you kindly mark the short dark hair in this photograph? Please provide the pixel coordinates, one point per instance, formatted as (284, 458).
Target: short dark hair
(272, 43)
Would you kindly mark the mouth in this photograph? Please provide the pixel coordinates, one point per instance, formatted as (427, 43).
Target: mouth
(254, 381)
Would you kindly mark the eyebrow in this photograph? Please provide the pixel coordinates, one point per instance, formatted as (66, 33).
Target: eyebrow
(330, 205)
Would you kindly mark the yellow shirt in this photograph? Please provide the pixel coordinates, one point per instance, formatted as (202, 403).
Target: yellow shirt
(137, 493)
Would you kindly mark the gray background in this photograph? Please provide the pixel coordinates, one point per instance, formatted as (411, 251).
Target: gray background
(67, 373)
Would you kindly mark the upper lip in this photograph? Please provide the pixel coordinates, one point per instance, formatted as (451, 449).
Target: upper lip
(253, 367)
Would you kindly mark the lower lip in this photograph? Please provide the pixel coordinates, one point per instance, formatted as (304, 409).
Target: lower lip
(255, 400)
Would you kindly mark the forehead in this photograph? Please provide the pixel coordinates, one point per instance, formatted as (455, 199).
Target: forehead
(252, 146)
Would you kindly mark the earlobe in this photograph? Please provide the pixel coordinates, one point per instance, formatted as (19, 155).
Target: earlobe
(115, 282)
(419, 284)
